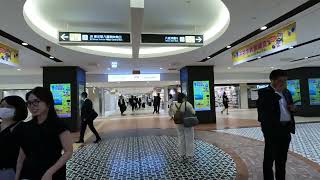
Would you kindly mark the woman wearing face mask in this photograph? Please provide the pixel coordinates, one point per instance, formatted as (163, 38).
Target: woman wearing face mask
(13, 110)
(42, 140)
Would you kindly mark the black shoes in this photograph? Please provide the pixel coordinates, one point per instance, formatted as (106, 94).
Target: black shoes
(97, 140)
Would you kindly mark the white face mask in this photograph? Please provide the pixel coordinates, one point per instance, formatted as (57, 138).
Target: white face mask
(6, 113)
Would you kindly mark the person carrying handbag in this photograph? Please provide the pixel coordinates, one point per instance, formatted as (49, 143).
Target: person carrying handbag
(181, 110)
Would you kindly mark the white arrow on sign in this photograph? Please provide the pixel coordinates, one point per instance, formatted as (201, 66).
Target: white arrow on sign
(64, 36)
(199, 39)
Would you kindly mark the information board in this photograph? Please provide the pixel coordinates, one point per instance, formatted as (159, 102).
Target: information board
(314, 91)
(201, 93)
(294, 87)
(91, 37)
(62, 99)
(172, 39)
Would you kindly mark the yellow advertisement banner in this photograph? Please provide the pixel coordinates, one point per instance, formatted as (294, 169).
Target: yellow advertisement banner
(274, 42)
(9, 55)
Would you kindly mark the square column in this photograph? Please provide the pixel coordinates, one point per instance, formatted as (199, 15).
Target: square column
(66, 85)
(197, 82)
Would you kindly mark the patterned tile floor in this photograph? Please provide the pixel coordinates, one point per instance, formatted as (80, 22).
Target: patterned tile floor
(305, 142)
(149, 157)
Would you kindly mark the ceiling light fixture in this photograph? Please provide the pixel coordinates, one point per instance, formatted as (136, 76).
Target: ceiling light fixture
(19, 69)
(51, 57)
(306, 57)
(228, 46)
(259, 57)
(263, 28)
(208, 57)
(291, 47)
(25, 44)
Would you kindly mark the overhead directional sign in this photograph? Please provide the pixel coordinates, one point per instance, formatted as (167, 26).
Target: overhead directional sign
(170, 39)
(92, 37)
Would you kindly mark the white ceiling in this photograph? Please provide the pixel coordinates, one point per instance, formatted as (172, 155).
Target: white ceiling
(243, 19)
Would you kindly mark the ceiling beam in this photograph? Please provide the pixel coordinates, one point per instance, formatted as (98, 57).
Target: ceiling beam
(137, 11)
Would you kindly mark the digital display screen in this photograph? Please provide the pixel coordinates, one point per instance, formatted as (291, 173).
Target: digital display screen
(201, 93)
(314, 91)
(294, 87)
(62, 99)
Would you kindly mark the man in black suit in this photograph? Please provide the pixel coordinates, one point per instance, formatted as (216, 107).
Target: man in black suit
(275, 113)
(88, 114)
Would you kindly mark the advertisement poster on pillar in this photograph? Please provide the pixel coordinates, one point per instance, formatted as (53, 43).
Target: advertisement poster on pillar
(294, 87)
(62, 99)
(314, 91)
(279, 40)
(201, 93)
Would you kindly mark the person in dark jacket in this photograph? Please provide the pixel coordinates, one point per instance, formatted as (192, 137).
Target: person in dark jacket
(122, 105)
(88, 114)
(275, 113)
(13, 110)
(225, 102)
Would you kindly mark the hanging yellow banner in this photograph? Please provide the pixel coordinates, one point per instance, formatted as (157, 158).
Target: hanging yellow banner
(274, 42)
(9, 55)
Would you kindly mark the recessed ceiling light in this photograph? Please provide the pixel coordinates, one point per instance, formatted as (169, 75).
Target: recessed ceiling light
(51, 57)
(291, 47)
(263, 28)
(306, 57)
(259, 57)
(228, 46)
(208, 57)
(25, 44)
(19, 69)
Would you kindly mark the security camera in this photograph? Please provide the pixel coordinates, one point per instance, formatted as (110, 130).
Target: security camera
(48, 48)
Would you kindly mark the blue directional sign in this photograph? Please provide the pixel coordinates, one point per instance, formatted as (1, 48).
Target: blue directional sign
(90, 37)
(172, 39)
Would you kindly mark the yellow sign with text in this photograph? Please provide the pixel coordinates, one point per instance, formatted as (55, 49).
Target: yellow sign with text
(9, 55)
(274, 42)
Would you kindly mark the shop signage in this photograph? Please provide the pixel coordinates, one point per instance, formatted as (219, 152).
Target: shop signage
(9, 55)
(172, 39)
(281, 39)
(92, 37)
(133, 77)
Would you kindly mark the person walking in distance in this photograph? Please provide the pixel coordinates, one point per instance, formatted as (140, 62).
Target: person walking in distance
(225, 102)
(88, 115)
(275, 113)
(122, 105)
(158, 100)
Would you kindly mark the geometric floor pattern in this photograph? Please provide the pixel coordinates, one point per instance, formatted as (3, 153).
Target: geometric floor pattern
(305, 142)
(149, 157)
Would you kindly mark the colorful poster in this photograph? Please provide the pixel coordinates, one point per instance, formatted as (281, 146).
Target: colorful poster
(62, 99)
(201, 93)
(9, 55)
(314, 91)
(294, 87)
(274, 42)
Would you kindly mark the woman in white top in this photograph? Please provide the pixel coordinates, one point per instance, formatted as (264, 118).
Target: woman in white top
(185, 134)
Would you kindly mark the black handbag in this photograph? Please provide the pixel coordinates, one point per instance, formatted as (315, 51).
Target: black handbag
(189, 119)
(93, 115)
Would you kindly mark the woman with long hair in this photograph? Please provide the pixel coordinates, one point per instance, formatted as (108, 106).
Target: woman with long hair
(13, 110)
(42, 140)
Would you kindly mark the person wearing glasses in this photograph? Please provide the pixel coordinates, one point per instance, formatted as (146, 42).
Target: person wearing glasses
(13, 110)
(45, 141)
(275, 113)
